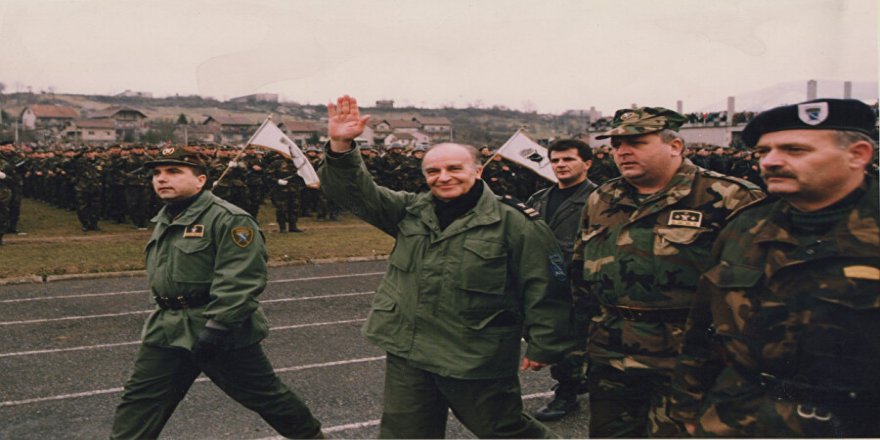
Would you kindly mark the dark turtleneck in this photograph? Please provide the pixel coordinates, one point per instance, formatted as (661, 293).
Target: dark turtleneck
(819, 222)
(174, 209)
(448, 211)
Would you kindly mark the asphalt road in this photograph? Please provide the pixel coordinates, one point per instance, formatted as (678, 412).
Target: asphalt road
(67, 347)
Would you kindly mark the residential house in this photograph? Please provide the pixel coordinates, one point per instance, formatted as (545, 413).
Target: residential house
(233, 128)
(302, 131)
(256, 97)
(437, 127)
(130, 122)
(47, 117)
(91, 131)
(194, 134)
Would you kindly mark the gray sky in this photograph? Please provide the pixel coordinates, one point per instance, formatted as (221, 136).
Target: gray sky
(544, 55)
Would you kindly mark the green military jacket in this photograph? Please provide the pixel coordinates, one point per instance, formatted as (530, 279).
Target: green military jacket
(803, 308)
(213, 246)
(648, 255)
(457, 302)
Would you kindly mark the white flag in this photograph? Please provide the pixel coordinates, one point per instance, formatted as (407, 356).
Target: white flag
(523, 150)
(271, 137)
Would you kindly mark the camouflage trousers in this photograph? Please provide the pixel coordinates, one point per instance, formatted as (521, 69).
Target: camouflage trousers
(88, 207)
(630, 405)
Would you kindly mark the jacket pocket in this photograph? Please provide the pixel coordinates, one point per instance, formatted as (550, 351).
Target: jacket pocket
(385, 325)
(484, 267)
(855, 286)
(670, 241)
(193, 261)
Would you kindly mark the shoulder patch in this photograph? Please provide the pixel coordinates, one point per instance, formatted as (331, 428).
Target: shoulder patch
(242, 236)
(750, 205)
(529, 212)
(714, 174)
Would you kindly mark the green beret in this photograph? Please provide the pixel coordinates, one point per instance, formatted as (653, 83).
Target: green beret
(643, 120)
(177, 156)
(818, 114)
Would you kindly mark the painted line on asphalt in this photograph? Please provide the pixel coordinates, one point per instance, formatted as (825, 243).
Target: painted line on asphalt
(121, 344)
(111, 315)
(200, 379)
(129, 292)
(375, 422)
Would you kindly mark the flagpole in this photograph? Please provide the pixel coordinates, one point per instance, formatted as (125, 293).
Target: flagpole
(241, 150)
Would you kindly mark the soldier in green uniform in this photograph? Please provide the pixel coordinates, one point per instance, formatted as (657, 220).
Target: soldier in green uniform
(311, 196)
(560, 205)
(233, 187)
(644, 241)
(255, 179)
(468, 278)
(782, 341)
(137, 191)
(115, 197)
(206, 265)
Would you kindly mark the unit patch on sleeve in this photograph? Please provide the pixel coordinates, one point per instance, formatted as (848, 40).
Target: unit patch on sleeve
(684, 217)
(242, 236)
(194, 231)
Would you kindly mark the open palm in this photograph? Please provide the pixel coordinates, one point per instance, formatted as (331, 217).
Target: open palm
(344, 121)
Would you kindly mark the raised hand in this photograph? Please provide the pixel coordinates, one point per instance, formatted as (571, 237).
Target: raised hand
(344, 122)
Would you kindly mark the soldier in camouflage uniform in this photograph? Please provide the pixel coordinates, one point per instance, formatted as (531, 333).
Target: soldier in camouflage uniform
(16, 182)
(783, 339)
(232, 187)
(643, 243)
(368, 154)
(498, 174)
(411, 176)
(255, 179)
(603, 168)
(115, 196)
(311, 196)
(284, 189)
(88, 190)
(6, 170)
(390, 165)
(137, 190)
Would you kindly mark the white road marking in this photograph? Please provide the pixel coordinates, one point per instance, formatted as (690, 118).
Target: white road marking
(111, 315)
(200, 379)
(120, 344)
(375, 422)
(128, 292)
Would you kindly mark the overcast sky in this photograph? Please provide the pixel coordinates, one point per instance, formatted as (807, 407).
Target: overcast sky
(544, 55)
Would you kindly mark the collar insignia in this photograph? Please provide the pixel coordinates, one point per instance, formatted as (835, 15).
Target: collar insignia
(242, 236)
(194, 231)
(683, 217)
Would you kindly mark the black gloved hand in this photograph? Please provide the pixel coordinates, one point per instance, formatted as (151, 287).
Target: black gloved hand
(212, 341)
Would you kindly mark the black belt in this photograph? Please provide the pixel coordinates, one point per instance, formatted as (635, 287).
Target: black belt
(647, 314)
(800, 392)
(185, 301)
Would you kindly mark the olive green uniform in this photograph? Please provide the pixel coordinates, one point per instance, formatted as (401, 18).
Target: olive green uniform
(207, 263)
(454, 305)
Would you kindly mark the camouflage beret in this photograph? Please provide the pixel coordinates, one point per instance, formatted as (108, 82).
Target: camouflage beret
(171, 155)
(818, 114)
(643, 120)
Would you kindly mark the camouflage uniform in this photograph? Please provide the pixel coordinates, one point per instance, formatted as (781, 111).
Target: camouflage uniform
(636, 265)
(285, 186)
(137, 189)
(782, 340)
(88, 192)
(5, 194)
(16, 183)
(232, 188)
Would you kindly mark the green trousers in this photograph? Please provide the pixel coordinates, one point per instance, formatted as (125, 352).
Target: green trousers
(162, 377)
(626, 405)
(417, 404)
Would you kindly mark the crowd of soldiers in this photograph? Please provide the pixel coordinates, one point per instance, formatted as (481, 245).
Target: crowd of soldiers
(112, 184)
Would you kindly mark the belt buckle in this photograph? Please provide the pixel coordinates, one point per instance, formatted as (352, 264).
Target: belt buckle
(813, 413)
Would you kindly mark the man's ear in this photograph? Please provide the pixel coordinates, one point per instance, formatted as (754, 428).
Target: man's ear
(588, 164)
(677, 147)
(860, 154)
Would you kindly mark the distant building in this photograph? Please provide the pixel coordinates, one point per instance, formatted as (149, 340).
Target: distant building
(256, 97)
(47, 116)
(195, 134)
(131, 94)
(437, 127)
(130, 122)
(385, 103)
(233, 128)
(91, 131)
(301, 131)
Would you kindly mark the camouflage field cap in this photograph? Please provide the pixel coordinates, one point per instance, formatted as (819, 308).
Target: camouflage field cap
(818, 114)
(643, 120)
(177, 155)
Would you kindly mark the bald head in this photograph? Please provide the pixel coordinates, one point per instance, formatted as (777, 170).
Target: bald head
(451, 170)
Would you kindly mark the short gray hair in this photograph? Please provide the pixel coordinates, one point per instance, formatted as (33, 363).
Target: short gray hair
(667, 135)
(845, 138)
(475, 154)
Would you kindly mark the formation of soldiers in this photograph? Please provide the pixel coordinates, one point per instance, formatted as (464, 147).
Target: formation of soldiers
(112, 184)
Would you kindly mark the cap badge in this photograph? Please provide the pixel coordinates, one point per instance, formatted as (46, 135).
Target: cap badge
(628, 116)
(813, 113)
(168, 151)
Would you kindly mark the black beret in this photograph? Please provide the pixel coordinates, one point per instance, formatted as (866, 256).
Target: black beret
(818, 114)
